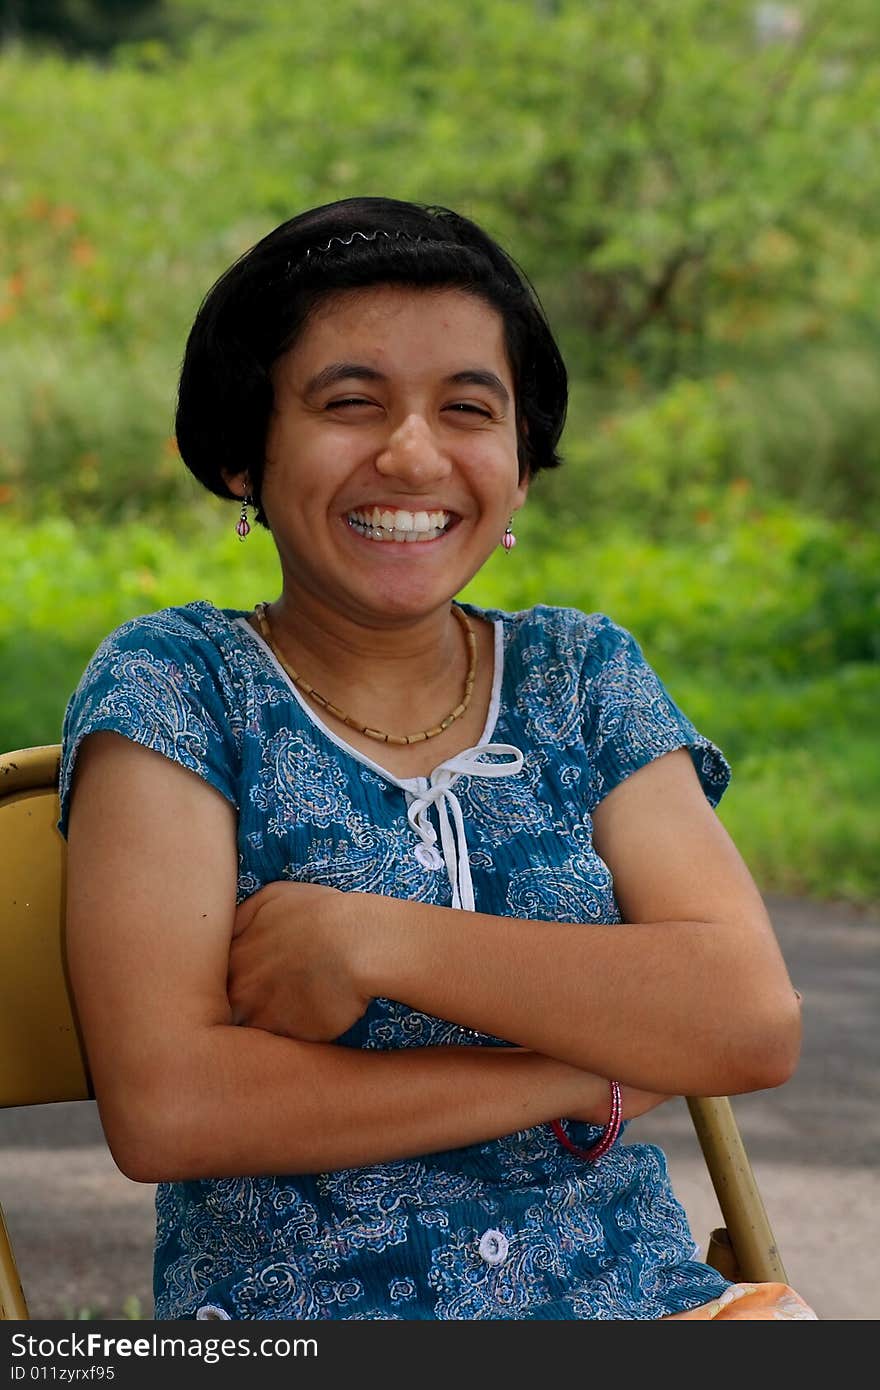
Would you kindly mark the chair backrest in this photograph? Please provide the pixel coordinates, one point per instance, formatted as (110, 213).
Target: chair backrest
(42, 1057)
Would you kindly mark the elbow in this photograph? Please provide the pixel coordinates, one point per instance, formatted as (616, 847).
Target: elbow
(774, 1050)
(136, 1163)
(785, 1052)
(146, 1158)
(137, 1145)
(782, 1044)
(150, 1138)
(161, 1110)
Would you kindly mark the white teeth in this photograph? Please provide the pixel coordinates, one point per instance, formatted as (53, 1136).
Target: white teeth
(381, 524)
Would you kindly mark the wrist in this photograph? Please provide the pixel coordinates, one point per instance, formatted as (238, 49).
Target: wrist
(610, 1129)
(588, 1098)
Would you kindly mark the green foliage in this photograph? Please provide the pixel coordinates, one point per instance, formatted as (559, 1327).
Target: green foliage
(72, 585)
(801, 816)
(696, 200)
(761, 593)
(660, 462)
(94, 26)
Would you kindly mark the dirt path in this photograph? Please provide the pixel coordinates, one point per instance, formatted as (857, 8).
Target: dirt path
(83, 1233)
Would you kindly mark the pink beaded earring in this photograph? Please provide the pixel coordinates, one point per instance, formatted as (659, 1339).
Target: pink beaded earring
(508, 540)
(243, 528)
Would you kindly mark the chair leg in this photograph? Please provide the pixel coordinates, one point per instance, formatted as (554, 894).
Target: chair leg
(754, 1245)
(720, 1255)
(13, 1307)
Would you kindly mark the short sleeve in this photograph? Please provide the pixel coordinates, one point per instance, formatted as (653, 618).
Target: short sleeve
(159, 681)
(630, 718)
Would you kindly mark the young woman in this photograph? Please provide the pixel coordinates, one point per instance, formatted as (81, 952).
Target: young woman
(384, 910)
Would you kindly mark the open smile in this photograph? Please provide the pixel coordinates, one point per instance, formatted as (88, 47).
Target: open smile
(402, 527)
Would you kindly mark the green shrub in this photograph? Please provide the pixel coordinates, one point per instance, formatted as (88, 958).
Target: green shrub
(697, 206)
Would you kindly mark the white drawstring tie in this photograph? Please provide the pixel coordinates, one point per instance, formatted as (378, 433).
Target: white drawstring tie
(440, 794)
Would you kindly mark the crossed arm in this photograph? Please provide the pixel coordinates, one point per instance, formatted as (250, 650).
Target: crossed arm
(689, 996)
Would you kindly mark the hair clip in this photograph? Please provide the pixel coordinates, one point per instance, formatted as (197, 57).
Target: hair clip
(347, 241)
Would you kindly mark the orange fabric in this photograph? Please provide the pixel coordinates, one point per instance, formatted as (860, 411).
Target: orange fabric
(772, 1302)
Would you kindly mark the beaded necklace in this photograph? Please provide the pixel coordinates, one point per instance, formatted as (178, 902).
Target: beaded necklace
(379, 734)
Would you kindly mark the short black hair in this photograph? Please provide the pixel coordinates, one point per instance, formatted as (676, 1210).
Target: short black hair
(259, 307)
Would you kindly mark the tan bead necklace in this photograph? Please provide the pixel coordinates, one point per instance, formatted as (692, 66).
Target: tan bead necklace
(378, 734)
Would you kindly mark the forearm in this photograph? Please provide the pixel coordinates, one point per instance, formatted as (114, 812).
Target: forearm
(672, 1007)
(238, 1101)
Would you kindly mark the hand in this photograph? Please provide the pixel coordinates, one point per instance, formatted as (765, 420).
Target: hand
(291, 961)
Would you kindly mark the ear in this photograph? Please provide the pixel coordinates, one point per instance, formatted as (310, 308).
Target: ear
(521, 493)
(522, 490)
(239, 483)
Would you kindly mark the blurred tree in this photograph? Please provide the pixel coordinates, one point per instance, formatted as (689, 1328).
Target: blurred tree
(77, 26)
(694, 188)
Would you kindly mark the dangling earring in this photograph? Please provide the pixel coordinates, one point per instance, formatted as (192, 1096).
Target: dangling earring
(508, 540)
(243, 525)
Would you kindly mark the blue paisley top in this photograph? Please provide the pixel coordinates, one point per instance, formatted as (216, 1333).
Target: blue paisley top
(513, 1228)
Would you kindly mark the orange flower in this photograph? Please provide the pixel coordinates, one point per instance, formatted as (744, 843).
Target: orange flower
(15, 285)
(38, 206)
(703, 517)
(64, 215)
(6, 494)
(740, 486)
(82, 252)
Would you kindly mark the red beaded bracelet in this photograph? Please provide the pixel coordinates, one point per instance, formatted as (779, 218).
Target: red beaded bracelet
(606, 1138)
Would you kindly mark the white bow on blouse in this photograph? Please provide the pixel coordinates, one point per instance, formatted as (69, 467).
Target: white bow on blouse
(440, 794)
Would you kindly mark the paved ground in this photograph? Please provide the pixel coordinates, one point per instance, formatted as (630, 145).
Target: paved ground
(83, 1233)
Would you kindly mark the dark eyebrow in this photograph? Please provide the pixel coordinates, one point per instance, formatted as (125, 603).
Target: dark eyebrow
(488, 379)
(346, 371)
(340, 371)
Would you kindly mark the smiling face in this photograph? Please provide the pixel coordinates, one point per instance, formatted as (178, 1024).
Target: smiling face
(391, 456)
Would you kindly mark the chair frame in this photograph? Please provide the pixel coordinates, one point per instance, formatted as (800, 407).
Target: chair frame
(744, 1249)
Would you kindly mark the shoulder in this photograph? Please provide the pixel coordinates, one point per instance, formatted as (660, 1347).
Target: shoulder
(167, 680)
(585, 640)
(195, 627)
(196, 639)
(170, 666)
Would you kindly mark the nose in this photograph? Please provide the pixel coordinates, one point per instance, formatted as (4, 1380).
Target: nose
(412, 453)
